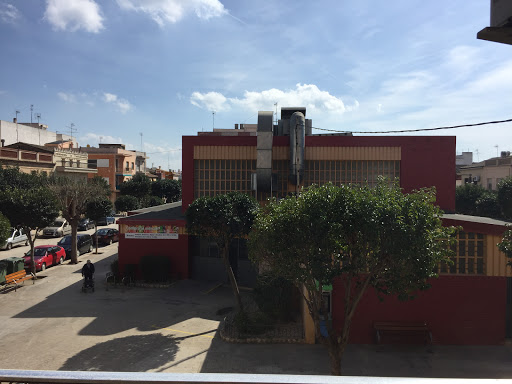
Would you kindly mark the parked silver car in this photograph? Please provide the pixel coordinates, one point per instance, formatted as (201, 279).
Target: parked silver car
(59, 228)
(17, 238)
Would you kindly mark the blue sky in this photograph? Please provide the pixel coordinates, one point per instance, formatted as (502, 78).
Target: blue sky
(121, 67)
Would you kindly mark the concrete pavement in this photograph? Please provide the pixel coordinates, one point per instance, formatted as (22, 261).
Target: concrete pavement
(56, 327)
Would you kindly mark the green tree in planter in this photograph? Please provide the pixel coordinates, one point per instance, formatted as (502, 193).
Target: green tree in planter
(223, 218)
(505, 245)
(126, 203)
(366, 237)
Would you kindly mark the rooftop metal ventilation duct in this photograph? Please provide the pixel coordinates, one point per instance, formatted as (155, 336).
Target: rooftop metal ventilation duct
(297, 143)
(264, 152)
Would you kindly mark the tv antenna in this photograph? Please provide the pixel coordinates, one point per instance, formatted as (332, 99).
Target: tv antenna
(275, 105)
(213, 117)
(477, 155)
(31, 110)
(38, 117)
(72, 129)
(140, 133)
(496, 146)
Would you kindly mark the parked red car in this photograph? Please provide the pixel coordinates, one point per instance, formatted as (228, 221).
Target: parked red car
(45, 256)
(106, 236)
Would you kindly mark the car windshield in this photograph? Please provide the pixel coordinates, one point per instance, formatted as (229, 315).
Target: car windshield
(57, 224)
(102, 231)
(65, 240)
(83, 221)
(37, 252)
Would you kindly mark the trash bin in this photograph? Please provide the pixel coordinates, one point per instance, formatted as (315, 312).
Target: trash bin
(3, 271)
(14, 264)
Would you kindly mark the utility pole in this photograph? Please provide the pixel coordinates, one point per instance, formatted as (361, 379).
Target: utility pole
(213, 116)
(141, 142)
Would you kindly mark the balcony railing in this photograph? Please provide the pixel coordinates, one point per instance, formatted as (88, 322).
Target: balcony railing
(88, 377)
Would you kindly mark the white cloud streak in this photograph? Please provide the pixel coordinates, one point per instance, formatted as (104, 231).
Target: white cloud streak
(304, 95)
(9, 13)
(172, 11)
(67, 97)
(122, 104)
(74, 15)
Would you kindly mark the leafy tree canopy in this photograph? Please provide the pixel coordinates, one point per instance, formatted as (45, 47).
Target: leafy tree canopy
(367, 237)
(169, 189)
(5, 229)
(126, 203)
(139, 186)
(466, 197)
(505, 197)
(97, 209)
(103, 184)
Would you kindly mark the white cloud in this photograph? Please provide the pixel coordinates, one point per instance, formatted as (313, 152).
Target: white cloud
(67, 97)
(306, 95)
(122, 104)
(172, 11)
(94, 139)
(9, 13)
(74, 15)
(212, 101)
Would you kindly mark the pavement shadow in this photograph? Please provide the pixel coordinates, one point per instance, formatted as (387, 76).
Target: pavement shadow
(121, 308)
(126, 354)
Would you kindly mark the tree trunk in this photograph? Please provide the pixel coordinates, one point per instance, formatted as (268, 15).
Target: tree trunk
(74, 231)
(335, 354)
(31, 242)
(232, 279)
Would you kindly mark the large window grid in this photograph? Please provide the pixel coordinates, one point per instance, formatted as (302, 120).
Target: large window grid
(360, 172)
(213, 177)
(469, 258)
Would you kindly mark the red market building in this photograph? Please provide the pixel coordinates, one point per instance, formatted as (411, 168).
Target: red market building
(267, 159)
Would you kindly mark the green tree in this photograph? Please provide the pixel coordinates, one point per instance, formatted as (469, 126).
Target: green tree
(168, 189)
(96, 209)
(366, 237)
(5, 229)
(103, 184)
(487, 205)
(466, 197)
(73, 197)
(223, 218)
(151, 201)
(139, 186)
(505, 197)
(27, 202)
(126, 203)
(505, 245)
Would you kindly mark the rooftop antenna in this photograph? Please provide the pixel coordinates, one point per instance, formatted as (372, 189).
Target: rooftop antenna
(71, 130)
(17, 112)
(496, 146)
(275, 105)
(477, 155)
(38, 117)
(213, 116)
(168, 163)
(31, 110)
(140, 133)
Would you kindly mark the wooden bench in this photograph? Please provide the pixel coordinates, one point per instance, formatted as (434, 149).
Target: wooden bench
(404, 328)
(17, 277)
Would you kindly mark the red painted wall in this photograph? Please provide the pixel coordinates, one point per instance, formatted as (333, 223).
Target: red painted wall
(467, 310)
(426, 160)
(132, 250)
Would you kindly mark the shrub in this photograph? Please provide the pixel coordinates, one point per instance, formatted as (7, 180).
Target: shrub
(466, 197)
(505, 196)
(275, 297)
(155, 268)
(488, 206)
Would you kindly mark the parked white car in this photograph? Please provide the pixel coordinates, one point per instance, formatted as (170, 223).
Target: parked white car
(59, 228)
(17, 238)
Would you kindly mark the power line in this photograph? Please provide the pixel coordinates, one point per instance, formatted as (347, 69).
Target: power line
(422, 129)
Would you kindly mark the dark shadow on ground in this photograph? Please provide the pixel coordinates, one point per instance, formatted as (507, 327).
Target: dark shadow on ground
(362, 360)
(122, 308)
(126, 354)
